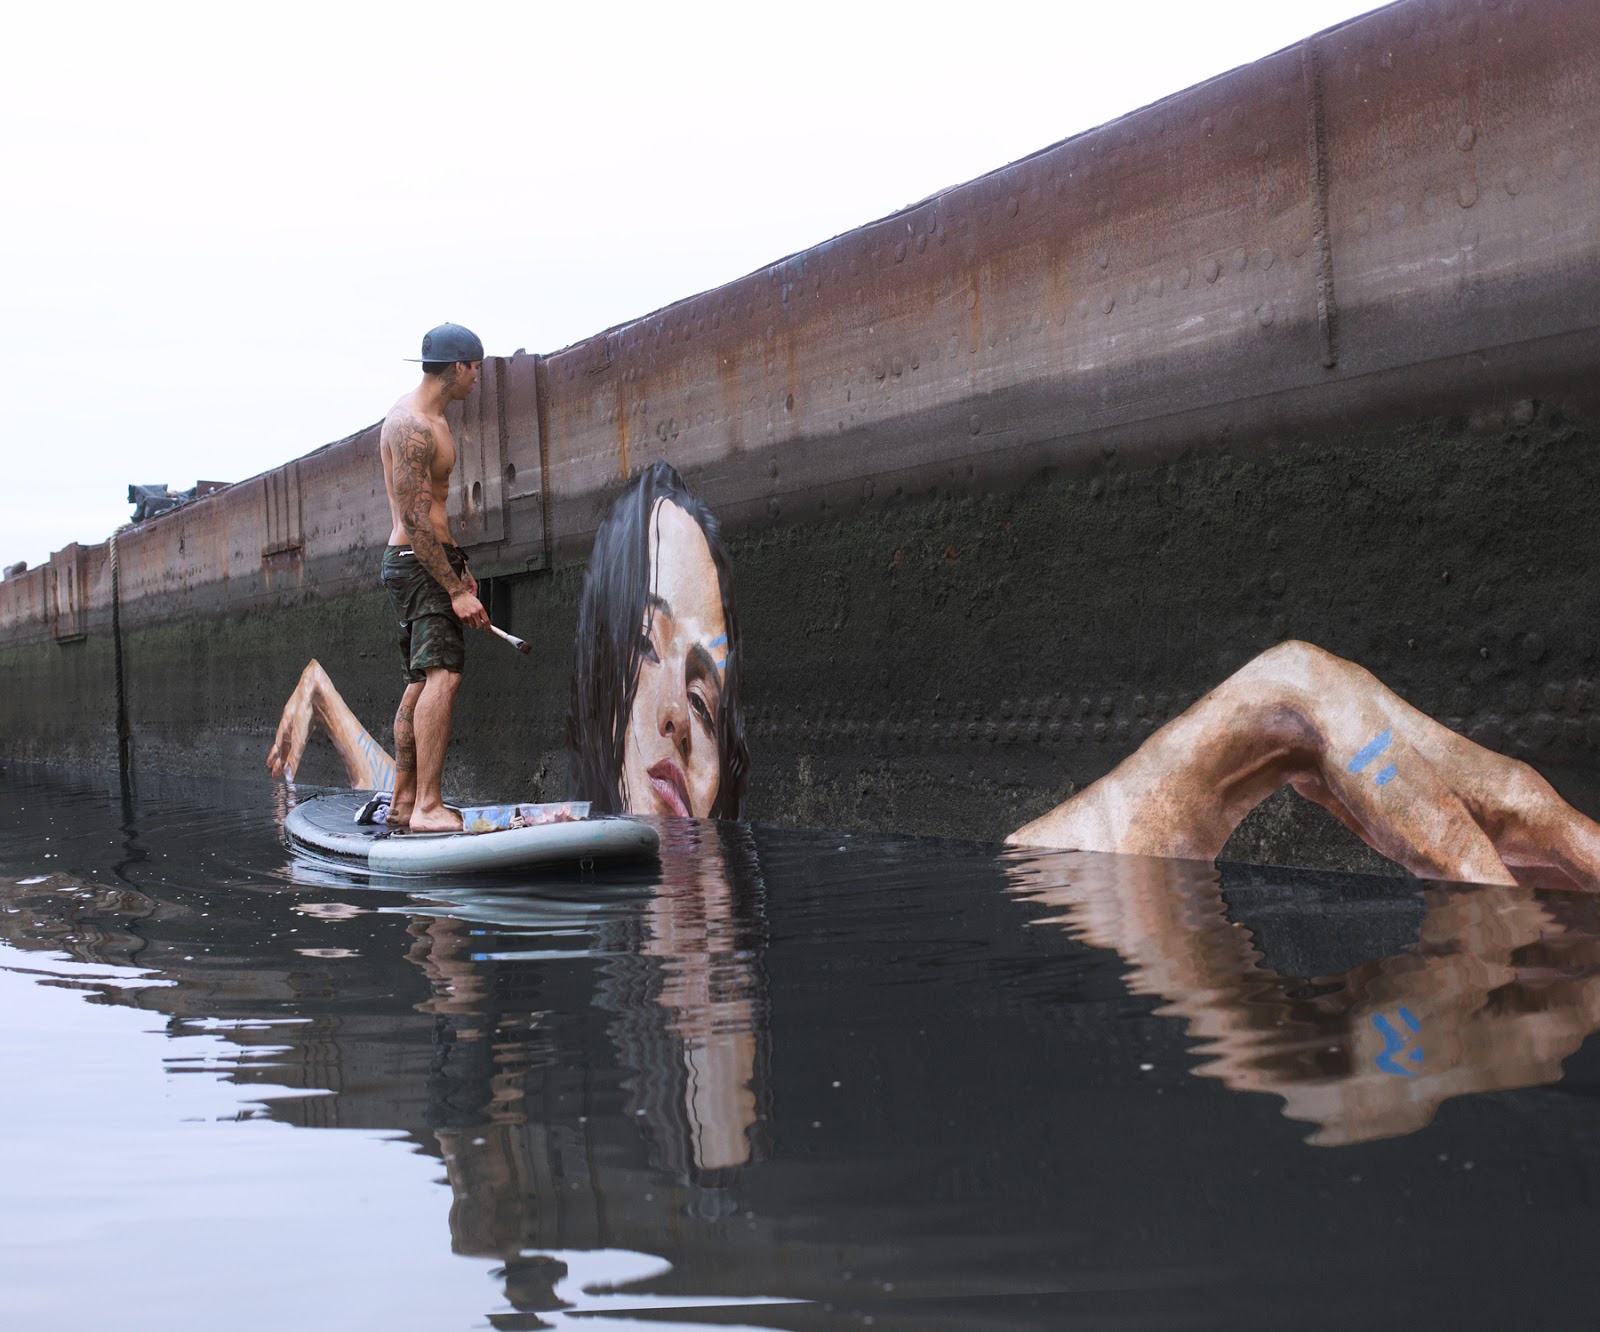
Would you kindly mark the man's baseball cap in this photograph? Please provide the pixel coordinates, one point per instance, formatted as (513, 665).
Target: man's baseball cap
(450, 342)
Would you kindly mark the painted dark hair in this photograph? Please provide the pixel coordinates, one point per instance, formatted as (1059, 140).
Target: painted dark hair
(605, 675)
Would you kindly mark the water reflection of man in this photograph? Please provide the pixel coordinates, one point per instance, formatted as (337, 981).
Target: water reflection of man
(1502, 985)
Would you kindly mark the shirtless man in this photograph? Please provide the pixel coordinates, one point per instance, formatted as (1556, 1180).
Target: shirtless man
(426, 575)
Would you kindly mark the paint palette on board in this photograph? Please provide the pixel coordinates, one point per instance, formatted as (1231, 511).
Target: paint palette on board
(482, 818)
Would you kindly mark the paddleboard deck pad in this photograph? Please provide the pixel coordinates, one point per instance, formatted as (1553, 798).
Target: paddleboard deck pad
(350, 828)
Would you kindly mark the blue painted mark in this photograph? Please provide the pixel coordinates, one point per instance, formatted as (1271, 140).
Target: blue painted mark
(1386, 776)
(718, 641)
(1394, 1042)
(1374, 747)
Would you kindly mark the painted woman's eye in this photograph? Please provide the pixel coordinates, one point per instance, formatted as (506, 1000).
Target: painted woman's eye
(647, 649)
(702, 710)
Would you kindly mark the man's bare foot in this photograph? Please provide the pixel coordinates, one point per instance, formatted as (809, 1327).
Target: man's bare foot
(398, 818)
(443, 819)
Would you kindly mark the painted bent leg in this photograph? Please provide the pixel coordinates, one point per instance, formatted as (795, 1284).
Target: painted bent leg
(315, 700)
(435, 704)
(1415, 791)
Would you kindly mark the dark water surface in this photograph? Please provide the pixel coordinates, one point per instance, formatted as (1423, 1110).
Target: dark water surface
(788, 1080)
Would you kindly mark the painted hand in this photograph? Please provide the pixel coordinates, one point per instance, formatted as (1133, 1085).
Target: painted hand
(1444, 807)
(294, 725)
(1414, 790)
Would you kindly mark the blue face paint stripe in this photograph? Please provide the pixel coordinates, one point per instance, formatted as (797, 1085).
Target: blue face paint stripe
(1394, 1042)
(1386, 776)
(1374, 747)
(718, 641)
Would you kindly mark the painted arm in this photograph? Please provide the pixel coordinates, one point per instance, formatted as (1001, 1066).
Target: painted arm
(1412, 789)
(315, 700)
(411, 447)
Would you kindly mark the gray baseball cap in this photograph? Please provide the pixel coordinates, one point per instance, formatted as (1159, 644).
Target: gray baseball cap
(450, 342)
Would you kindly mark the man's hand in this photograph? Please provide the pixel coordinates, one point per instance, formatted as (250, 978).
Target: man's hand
(468, 609)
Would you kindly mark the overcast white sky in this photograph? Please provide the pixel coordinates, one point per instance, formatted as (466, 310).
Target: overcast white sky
(225, 225)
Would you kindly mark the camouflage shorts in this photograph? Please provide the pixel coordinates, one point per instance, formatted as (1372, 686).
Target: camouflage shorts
(430, 635)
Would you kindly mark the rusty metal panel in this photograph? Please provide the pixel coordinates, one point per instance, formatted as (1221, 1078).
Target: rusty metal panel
(1464, 175)
(519, 404)
(477, 486)
(524, 455)
(344, 508)
(1180, 237)
(283, 552)
(1417, 184)
(22, 605)
(281, 491)
(66, 595)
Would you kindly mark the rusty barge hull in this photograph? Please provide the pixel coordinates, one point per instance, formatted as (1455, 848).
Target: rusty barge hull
(1011, 475)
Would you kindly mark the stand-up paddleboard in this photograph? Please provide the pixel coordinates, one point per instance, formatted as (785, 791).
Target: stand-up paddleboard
(349, 827)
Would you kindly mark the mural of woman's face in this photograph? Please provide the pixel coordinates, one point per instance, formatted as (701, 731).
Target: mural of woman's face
(670, 763)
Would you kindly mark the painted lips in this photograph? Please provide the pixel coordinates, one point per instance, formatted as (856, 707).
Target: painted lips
(666, 780)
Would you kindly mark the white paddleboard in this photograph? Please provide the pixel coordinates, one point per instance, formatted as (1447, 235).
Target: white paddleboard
(510, 837)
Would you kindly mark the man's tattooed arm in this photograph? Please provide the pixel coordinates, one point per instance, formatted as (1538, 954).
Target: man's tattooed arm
(410, 442)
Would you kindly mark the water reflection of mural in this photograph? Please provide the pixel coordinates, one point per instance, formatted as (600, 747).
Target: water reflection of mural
(656, 728)
(1500, 988)
(682, 983)
(729, 1068)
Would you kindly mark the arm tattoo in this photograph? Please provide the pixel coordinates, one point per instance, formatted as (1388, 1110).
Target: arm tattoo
(411, 451)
